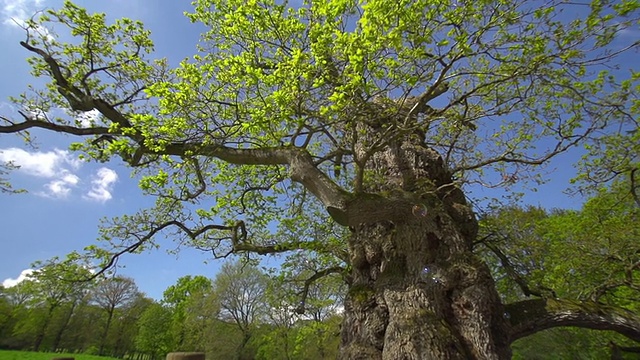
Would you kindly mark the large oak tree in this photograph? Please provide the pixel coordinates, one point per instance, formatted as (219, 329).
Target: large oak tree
(351, 128)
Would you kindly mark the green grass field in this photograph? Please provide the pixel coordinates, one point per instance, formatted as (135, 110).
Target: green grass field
(28, 355)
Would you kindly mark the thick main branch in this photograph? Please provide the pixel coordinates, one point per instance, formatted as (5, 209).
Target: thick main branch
(530, 316)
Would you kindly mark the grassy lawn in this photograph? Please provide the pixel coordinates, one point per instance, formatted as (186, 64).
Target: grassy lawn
(28, 355)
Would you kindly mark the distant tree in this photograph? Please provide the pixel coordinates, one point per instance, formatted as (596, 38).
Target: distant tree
(154, 336)
(304, 305)
(18, 295)
(127, 328)
(45, 293)
(68, 282)
(110, 294)
(372, 116)
(179, 298)
(239, 291)
(6, 317)
(85, 331)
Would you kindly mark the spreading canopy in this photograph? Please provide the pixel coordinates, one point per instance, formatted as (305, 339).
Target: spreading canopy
(276, 124)
(276, 93)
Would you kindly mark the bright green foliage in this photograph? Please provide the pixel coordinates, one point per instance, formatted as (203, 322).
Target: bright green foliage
(603, 239)
(496, 87)
(590, 254)
(586, 254)
(179, 298)
(117, 49)
(296, 335)
(317, 339)
(154, 337)
(515, 232)
(44, 295)
(176, 295)
(517, 83)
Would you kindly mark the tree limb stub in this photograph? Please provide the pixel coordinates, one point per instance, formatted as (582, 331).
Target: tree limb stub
(530, 316)
(438, 88)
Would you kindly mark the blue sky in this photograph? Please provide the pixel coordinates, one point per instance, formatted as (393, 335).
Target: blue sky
(67, 198)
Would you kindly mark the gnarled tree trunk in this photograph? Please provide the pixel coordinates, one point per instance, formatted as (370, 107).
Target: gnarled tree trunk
(416, 291)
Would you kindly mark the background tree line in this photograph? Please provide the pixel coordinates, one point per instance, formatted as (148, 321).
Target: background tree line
(242, 313)
(249, 313)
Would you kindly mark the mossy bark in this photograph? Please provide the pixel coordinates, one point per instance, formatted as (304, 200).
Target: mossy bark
(416, 289)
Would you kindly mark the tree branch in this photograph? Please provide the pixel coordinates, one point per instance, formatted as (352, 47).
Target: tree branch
(30, 123)
(420, 103)
(307, 283)
(113, 259)
(512, 273)
(530, 316)
(345, 208)
(77, 99)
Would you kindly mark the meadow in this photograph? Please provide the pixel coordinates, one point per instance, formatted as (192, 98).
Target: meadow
(29, 355)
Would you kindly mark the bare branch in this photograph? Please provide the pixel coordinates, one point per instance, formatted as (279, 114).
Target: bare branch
(308, 282)
(513, 274)
(506, 158)
(30, 123)
(147, 237)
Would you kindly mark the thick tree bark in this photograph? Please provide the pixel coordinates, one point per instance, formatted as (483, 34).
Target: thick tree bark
(416, 291)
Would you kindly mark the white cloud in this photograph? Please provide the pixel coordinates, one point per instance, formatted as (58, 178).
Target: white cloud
(17, 12)
(20, 10)
(57, 165)
(61, 188)
(88, 118)
(102, 185)
(7, 283)
(42, 164)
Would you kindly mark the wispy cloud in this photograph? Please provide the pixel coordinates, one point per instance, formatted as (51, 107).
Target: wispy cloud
(7, 283)
(17, 11)
(102, 184)
(57, 165)
(42, 164)
(61, 188)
